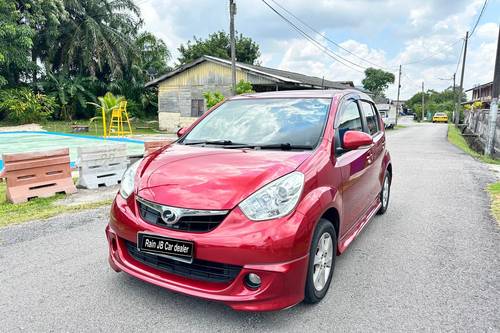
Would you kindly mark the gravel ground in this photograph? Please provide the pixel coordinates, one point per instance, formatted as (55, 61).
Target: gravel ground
(430, 264)
(26, 127)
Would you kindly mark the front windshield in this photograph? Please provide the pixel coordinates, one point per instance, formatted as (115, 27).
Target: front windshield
(293, 121)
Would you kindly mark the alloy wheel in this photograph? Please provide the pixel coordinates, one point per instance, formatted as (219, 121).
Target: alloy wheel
(322, 261)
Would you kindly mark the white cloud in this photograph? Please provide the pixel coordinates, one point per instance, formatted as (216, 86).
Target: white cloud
(385, 32)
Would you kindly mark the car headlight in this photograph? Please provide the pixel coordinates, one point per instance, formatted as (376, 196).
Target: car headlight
(128, 179)
(274, 200)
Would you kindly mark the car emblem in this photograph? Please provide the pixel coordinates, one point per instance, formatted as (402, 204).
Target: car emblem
(170, 216)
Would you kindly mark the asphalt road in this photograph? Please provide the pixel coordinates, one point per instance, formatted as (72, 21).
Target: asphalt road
(431, 263)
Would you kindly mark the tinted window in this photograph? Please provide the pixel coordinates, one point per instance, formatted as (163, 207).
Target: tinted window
(298, 121)
(350, 120)
(371, 118)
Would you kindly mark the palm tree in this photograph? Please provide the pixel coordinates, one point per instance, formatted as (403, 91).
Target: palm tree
(96, 37)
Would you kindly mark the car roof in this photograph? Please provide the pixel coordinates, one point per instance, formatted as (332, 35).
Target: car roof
(308, 93)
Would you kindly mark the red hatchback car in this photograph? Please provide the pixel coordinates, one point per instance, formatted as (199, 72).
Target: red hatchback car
(251, 205)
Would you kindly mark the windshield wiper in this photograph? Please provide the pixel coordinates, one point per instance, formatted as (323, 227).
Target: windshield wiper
(284, 146)
(215, 142)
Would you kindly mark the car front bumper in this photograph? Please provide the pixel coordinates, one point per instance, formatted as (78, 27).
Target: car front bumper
(276, 250)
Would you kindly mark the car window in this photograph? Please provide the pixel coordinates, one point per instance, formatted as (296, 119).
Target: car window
(350, 120)
(371, 118)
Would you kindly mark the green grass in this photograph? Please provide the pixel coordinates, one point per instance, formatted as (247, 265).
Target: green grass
(494, 190)
(95, 128)
(400, 126)
(37, 209)
(456, 138)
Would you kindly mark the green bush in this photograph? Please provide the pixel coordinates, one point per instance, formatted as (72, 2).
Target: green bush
(22, 106)
(244, 87)
(213, 98)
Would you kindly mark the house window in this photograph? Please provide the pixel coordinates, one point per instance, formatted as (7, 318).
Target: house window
(197, 107)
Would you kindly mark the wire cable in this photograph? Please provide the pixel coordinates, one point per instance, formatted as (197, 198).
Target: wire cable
(478, 18)
(328, 39)
(325, 50)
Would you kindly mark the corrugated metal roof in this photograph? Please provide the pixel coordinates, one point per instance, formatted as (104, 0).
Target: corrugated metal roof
(276, 75)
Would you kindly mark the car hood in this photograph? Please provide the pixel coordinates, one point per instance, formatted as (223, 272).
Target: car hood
(211, 178)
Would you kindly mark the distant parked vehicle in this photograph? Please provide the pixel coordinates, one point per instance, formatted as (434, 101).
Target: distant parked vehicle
(388, 114)
(440, 117)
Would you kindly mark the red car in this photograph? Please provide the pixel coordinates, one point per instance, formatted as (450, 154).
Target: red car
(251, 205)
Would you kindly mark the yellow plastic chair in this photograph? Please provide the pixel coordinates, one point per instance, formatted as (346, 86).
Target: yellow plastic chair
(119, 124)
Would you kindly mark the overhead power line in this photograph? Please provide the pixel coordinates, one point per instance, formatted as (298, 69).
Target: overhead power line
(323, 48)
(478, 18)
(433, 54)
(328, 39)
(459, 57)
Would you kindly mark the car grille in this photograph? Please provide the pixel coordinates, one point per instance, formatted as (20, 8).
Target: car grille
(199, 223)
(198, 269)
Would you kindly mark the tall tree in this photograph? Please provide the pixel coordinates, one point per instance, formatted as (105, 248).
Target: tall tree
(377, 81)
(146, 61)
(218, 45)
(16, 41)
(96, 37)
(152, 55)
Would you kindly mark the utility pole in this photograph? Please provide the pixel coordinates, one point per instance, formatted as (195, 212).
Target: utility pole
(457, 114)
(495, 94)
(423, 102)
(455, 92)
(232, 12)
(399, 89)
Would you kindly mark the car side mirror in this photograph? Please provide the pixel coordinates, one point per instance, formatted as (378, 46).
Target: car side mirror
(355, 139)
(181, 131)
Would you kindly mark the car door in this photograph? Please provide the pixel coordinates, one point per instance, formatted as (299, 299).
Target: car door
(376, 152)
(353, 164)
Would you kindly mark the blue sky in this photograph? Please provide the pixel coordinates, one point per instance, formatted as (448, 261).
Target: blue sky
(384, 32)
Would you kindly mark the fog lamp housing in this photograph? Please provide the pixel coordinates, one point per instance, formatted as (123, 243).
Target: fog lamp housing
(252, 281)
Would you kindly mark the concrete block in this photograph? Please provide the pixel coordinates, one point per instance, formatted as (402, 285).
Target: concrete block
(152, 146)
(37, 175)
(101, 166)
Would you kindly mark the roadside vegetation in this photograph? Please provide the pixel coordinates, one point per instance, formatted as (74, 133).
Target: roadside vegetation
(435, 101)
(58, 56)
(456, 138)
(38, 209)
(494, 190)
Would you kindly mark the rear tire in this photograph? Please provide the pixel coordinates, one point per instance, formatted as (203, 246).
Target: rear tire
(385, 193)
(321, 262)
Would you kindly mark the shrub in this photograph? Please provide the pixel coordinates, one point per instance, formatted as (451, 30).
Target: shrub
(213, 98)
(22, 106)
(244, 87)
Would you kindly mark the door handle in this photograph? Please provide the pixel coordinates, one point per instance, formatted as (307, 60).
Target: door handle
(369, 157)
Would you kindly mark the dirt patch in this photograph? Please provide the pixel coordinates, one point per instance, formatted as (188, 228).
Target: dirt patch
(85, 196)
(24, 128)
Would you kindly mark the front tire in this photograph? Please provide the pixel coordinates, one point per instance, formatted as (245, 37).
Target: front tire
(321, 262)
(385, 193)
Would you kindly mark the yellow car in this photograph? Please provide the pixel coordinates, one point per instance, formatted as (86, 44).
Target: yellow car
(440, 117)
